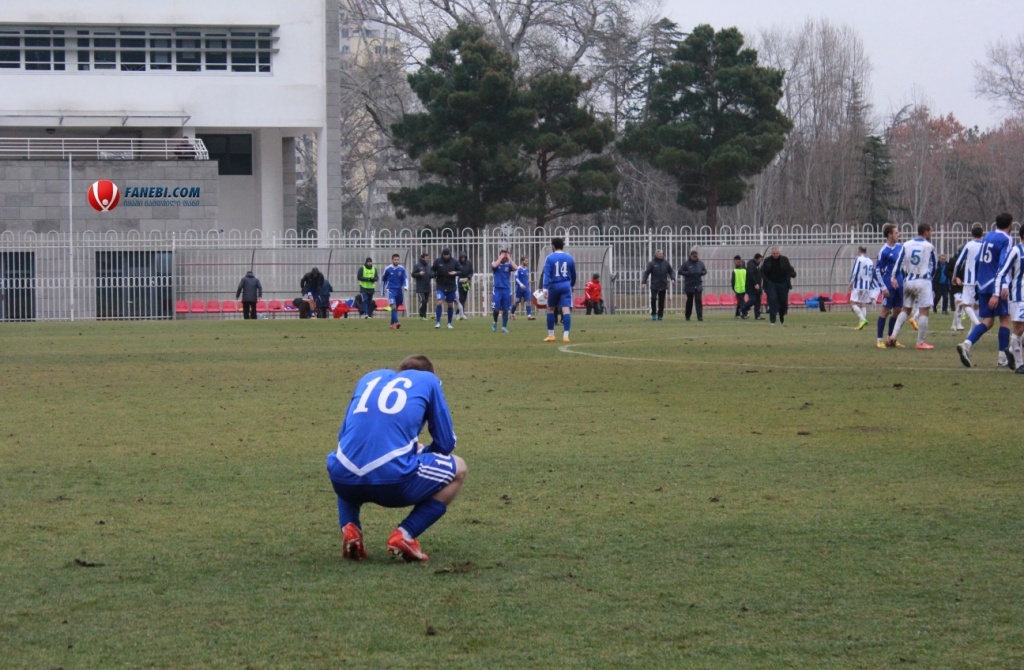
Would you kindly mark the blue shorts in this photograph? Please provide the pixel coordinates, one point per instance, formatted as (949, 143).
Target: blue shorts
(560, 295)
(395, 297)
(986, 312)
(435, 472)
(446, 296)
(895, 299)
(501, 301)
(522, 294)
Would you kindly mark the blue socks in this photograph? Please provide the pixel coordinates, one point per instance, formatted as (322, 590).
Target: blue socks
(438, 312)
(551, 320)
(423, 516)
(504, 319)
(1004, 338)
(451, 310)
(566, 322)
(881, 327)
(529, 310)
(892, 323)
(978, 331)
(394, 314)
(348, 513)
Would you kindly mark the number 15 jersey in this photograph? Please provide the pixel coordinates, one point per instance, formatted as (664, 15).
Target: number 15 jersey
(377, 443)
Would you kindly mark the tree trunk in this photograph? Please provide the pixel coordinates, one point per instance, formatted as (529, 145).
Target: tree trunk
(712, 211)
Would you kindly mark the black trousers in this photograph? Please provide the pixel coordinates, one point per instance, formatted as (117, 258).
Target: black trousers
(755, 302)
(424, 301)
(658, 303)
(692, 300)
(739, 302)
(778, 300)
(248, 310)
(942, 293)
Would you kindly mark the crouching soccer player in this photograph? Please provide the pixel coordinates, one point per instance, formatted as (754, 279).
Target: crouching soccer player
(379, 459)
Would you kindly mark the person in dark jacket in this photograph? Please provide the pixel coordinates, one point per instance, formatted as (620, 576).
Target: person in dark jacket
(754, 289)
(311, 283)
(465, 282)
(422, 274)
(250, 290)
(323, 299)
(692, 273)
(659, 271)
(367, 276)
(445, 271)
(940, 285)
(778, 276)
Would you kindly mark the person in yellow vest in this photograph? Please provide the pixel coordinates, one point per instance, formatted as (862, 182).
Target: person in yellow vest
(739, 284)
(367, 276)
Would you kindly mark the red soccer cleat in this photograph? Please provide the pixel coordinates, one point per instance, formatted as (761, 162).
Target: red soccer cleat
(352, 542)
(407, 549)
(924, 346)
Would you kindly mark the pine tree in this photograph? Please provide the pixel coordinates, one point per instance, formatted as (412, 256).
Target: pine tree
(879, 171)
(571, 176)
(470, 135)
(713, 122)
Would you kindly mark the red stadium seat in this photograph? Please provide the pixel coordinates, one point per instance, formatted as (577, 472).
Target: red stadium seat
(711, 300)
(579, 303)
(261, 305)
(727, 300)
(197, 307)
(213, 307)
(181, 307)
(229, 306)
(381, 303)
(275, 306)
(764, 299)
(840, 298)
(796, 300)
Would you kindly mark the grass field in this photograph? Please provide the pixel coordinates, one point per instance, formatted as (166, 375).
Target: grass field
(672, 495)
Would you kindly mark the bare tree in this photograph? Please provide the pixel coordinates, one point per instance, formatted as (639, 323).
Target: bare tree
(1001, 77)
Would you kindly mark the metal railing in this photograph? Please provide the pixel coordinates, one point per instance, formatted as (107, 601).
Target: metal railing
(137, 276)
(102, 148)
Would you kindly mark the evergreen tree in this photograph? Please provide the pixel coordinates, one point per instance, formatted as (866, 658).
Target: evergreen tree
(713, 120)
(469, 137)
(879, 169)
(571, 176)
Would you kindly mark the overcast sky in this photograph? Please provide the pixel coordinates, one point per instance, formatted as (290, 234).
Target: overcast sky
(924, 45)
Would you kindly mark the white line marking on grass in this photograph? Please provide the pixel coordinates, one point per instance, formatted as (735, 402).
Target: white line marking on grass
(570, 349)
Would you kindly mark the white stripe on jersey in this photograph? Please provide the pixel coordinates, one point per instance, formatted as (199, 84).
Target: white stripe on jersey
(1011, 275)
(969, 260)
(863, 275)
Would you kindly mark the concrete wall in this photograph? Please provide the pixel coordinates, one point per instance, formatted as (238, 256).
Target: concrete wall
(34, 196)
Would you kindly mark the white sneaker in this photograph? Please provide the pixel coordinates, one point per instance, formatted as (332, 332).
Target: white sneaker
(451, 326)
(437, 325)
(964, 349)
(1003, 363)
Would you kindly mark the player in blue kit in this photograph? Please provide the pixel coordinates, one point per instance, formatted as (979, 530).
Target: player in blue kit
(995, 247)
(892, 301)
(395, 281)
(559, 279)
(1011, 283)
(523, 288)
(380, 459)
(501, 301)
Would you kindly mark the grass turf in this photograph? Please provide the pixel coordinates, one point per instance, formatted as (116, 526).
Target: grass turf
(672, 501)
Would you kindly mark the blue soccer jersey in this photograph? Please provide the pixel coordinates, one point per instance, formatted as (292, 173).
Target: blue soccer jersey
(503, 278)
(862, 277)
(885, 265)
(523, 280)
(1011, 275)
(994, 248)
(559, 270)
(395, 277)
(378, 441)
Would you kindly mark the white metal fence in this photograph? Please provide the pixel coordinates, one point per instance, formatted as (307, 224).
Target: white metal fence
(117, 276)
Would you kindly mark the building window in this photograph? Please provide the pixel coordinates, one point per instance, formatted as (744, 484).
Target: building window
(233, 153)
(155, 49)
